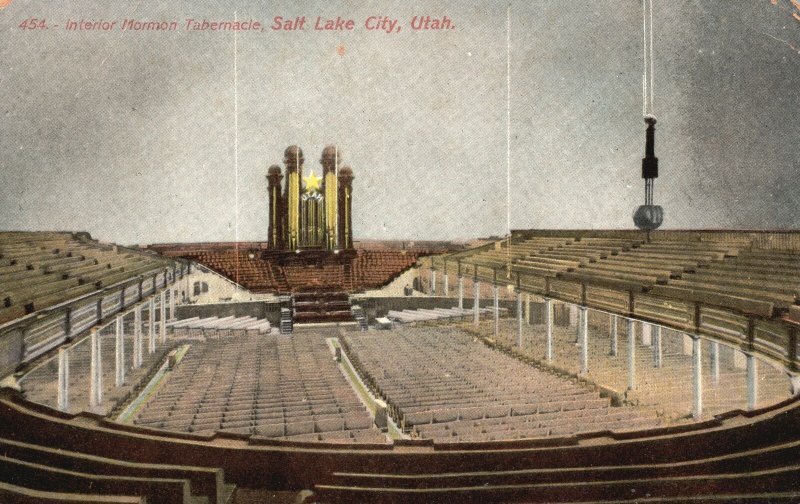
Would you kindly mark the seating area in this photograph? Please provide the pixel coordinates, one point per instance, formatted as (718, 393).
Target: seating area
(729, 272)
(238, 266)
(40, 385)
(260, 270)
(42, 269)
(650, 263)
(38, 473)
(451, 388)
(664, 386)
(273, 386)
(739, 459)
(372, 269)
(217, 327)
(769, 277)
(436, 314)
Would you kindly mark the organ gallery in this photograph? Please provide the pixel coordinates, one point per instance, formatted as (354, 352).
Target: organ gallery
(312, 211)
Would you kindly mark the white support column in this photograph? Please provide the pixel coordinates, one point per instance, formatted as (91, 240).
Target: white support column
(714, 362)
(548, 323)
(460, 292)
(583, 331)
(173, 293)
(137, 337)
(752, 382)
(433, 282)
(446, 286)
(476, 303)
(519, 320)
(647, 334)
(96, 370)
(151, 326)
(496, 307)
(528, 309)
(631, 354)
(697, 378)
(573, 316)
(658, 360)
(119, 352)
(162, 323)
(573, 321)
(63, 379)
(613, 335)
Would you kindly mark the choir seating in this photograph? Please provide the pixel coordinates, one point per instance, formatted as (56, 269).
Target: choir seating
(259, 270)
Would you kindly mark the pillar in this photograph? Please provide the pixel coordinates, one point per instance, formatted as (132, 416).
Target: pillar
(330, 187)
(293, 158)
(697, 378)
(647, 334)
(63, 378)
(528, 309)
(476, 303)
(519, 320)
(433, 282)
(583, 331)
(172, 294)
(119, 352)
(446, 282)
(137, 337)
(614, 338)
(631, 330)
(345, 207)
(573, 320)
(573, 315)
(658, 360)
(276, 208)
(548, 324)
(714, 362)
(162, 323)
(460, 292)
(96, 370)
(151, 326)
(496, 308)
(752, 382)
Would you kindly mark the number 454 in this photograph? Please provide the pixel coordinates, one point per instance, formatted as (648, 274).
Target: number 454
(33, 24)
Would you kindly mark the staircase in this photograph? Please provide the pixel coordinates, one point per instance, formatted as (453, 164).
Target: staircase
(360, 316)
(286, 321)
(321, 306)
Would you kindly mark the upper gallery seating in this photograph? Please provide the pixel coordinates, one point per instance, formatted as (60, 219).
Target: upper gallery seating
(730, 273)
(756, 275)
(42, 269)
(442, 384)
(274, 386)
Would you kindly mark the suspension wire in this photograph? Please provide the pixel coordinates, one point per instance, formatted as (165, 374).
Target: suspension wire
(648, 70)
(508, 141)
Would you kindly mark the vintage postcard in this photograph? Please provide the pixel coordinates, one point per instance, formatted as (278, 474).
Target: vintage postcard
(540, 251)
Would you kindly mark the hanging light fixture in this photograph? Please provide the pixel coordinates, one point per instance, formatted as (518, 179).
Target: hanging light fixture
(648, 216)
